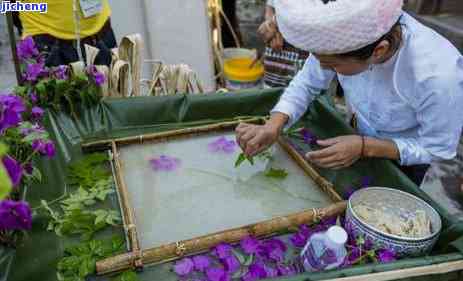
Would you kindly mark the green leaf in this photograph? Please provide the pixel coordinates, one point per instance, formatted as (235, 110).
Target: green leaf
(276, 173)
(5, 181)
(129, 275)
(242, 158)
(249, 260)
(241, 258)
(36, 175)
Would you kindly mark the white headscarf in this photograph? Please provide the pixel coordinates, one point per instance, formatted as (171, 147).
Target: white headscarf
(336, 27)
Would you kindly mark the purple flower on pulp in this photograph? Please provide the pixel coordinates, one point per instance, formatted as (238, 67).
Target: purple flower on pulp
(37, 112)
(164, 163)
(353, 256)
(385, 256)
(45, 148)
(97, 76)
(217, 274)
(231, 264)
(285, 270)
(11, 108)
(14, 169)
(15, 215)
(222, 145)
(34, 71)
(249, 245)
(223, 250)
(61, 72)
(308, 137)
(184, 267)
(255, 272)
(38, 146)
(270, 271)
(201, 263)
(26, 49)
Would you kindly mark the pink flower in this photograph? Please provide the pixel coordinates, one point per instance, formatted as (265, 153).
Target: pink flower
(184, 267)
(222, 145)
(165, 163)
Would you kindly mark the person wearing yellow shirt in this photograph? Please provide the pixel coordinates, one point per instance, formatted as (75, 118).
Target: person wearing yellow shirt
(66, 22)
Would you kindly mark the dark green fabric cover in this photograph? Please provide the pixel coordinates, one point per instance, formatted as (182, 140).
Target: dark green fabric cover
(36, 257)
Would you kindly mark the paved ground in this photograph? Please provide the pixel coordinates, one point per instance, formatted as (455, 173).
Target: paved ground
(7, 75)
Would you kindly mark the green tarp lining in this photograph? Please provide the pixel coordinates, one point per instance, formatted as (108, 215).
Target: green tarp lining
(36, 257)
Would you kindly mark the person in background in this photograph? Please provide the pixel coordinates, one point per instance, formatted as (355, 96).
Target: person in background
(406, 96)
(282, 60)
(57, 32)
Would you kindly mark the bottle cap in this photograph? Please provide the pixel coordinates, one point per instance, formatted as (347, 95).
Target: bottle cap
(337, 234)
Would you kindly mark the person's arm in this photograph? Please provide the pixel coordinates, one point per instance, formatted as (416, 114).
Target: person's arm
(302, 90)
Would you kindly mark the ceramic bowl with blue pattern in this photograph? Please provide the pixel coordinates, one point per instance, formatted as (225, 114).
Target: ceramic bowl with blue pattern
(404, 205)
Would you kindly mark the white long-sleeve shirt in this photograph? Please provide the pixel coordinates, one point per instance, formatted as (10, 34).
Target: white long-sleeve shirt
(414, 99)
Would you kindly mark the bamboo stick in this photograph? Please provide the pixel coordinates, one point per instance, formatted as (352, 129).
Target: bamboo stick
(127, 210)
(177, 250)
(185, 131)
(324, 184)
(441, 268)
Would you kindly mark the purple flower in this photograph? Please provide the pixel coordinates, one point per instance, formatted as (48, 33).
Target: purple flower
(222, 145)
(385, 256)
(353, 256)
(231, 264)
(328, 222)
(308, 137)
(255, 272)
(14, 169)
(37, 112)
(270, 271)
(34, 71)
(285, 270)
(97, 76)
(184, 267)
(298, 240)
(15, 215)
(50, 149)
(217, 274)
(329, 257)
(11, 109)
(273, 249)
(33, 97)
(249, 245)
(165, 163)
(201, 263)
(36, 128)
(26, 49)
(61, 72)
(223, 250)
(45, 148)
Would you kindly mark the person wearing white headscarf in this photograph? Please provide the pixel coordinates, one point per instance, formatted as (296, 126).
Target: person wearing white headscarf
(403, 81)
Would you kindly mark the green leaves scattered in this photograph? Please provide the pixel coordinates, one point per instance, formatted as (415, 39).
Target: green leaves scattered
(276, 173)
(78, 221)
(80, 260)
(5, 182)
(88, 171)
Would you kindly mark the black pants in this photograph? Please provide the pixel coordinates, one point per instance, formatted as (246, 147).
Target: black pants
(62, 52)
(416, 172)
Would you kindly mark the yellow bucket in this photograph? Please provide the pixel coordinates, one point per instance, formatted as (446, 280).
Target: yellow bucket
(239, 75)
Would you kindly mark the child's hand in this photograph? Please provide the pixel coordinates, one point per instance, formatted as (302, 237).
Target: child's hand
(254, 139)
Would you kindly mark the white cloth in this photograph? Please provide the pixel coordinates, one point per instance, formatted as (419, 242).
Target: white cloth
(414, 99)
(336, 27)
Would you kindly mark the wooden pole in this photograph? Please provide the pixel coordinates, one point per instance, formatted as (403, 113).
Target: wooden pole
(9, 23)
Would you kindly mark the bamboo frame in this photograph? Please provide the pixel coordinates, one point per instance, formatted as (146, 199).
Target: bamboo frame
(136, 257)
(441, 268)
